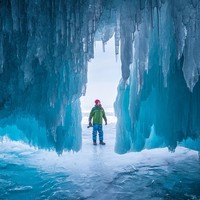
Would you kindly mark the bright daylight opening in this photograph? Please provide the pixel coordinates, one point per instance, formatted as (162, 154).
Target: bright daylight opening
(104, 74)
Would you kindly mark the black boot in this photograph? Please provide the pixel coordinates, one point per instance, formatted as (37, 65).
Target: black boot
(94, 142)
(102, 143)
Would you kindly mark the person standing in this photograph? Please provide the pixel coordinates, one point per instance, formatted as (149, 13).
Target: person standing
(96, 116)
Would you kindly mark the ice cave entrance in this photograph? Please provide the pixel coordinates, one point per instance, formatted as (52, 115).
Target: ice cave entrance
(104, 74)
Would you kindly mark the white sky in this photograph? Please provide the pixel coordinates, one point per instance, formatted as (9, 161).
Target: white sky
(104, 74)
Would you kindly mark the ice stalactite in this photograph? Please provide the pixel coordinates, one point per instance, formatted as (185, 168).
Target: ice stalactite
(44, 50)
(162, 91)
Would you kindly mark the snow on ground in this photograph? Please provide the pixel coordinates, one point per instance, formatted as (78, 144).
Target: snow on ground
(97, 172)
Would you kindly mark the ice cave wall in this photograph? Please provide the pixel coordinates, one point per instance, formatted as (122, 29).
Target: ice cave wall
(44, 50)
(159, 101)
(43, 64)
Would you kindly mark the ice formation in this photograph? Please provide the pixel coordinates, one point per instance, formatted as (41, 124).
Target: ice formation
(44, 50)
(158, 104)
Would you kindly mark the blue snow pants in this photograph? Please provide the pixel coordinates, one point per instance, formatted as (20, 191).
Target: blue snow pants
(97, 127)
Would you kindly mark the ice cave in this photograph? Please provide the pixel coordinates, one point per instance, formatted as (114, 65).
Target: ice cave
(45, 47)
(152, 150)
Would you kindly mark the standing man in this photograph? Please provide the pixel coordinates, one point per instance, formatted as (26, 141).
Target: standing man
(97, 114)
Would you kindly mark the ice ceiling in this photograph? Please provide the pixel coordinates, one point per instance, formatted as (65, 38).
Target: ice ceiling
(44, 50)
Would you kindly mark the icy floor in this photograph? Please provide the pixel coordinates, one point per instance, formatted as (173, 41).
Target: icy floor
(96, 172)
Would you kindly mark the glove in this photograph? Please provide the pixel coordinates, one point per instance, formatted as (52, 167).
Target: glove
(89, 125)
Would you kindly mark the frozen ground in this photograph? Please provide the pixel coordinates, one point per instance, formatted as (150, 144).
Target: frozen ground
(96, 172)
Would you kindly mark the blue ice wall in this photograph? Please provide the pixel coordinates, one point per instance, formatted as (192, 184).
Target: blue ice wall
(44, 50)
(43, 70)
(158, 102)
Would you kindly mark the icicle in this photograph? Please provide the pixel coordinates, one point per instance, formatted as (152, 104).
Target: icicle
(158, 21)
(85, 45)
(103, 45)
(151, 13)
(117, 34)
(72, 28)
(142, 4)
(15, 14)
(1, 56)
